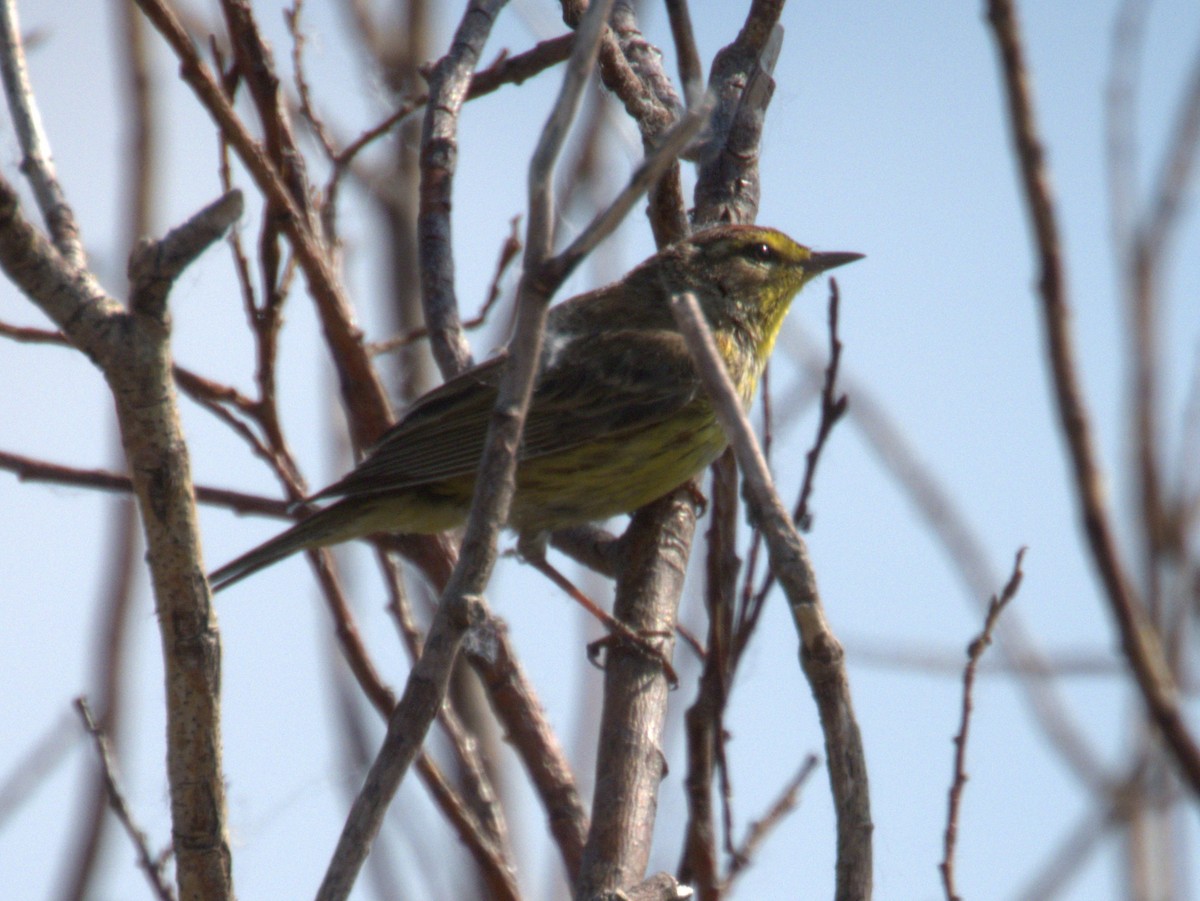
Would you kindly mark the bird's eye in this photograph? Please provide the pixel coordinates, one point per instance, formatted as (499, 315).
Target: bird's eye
(761, 252)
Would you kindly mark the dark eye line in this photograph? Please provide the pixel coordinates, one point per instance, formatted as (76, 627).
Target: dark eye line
(761, 251)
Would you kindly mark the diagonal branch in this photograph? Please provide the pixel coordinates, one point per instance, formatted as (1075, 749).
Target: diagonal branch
(151, 865)
(461, 603)
(362, 392)
(821, 655)
(1140, 641)
(38, 164)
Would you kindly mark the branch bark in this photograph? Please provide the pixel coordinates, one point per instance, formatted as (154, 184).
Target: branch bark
(821, 655)
(132, 350)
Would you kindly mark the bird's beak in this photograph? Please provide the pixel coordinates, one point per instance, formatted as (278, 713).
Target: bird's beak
(820, 262)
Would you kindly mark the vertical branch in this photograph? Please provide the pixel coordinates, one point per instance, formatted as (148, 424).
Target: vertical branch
(132, 349)
(660, 535)
(704, 720)
(629, 760)
(1140, 641)
(974, 654)
(448, 87)
(691, 70)
(460, 605)
(727, 186)
(1151, 245)
(116, 602)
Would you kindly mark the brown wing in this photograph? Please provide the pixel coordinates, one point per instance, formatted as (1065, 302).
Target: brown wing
(598, 385)
(440, 436)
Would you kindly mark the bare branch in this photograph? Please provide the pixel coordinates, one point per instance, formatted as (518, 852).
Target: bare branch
(539, 238)
(629, 762)
(1140, 641)
(508, 253)
(154, 265)
(528, 730)
(691, 71)
(646, 174)
(965, 550)
(958, 783)
(27, 468)
(132, 349)
(727, 186)
(761, 828)
(362, 392)
(37, 164)
(822, 657)
(461, 603)
(833, 408)
(448, 86)
(506, 70)
(704, 721)
(149, 864)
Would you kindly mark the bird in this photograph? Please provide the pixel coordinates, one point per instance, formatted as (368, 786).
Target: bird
(618, 416)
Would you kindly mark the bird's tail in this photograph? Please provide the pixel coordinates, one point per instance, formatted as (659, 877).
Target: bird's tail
(328, 526)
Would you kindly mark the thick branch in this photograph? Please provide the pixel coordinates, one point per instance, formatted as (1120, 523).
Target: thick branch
(132, 350)
(727, 186)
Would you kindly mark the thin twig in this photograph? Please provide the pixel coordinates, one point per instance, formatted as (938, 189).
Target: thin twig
(33, 470)
(646, 174)
(528, 730)
(292, 18)
(760, 829)
(833, 408)
(362, 392)
(958, 783)
(508, 254)
(965, 550)
(151, 865)
(506, 70)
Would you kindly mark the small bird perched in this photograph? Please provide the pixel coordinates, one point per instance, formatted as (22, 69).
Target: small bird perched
(618, 415)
